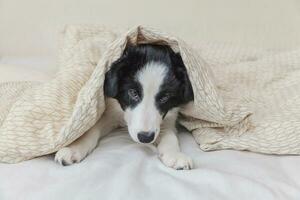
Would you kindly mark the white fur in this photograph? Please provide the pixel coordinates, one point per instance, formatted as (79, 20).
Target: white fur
(80, 148)
(144, 117)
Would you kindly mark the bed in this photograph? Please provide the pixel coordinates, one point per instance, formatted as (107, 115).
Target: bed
(121, 169)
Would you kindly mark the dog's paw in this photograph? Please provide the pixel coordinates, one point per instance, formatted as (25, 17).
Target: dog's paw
(176, 160)
(68, 156)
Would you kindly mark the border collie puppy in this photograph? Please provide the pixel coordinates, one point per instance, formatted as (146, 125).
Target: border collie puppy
(144, 90)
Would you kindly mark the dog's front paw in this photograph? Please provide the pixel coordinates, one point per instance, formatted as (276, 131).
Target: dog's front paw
(68, 156)
(176, 160)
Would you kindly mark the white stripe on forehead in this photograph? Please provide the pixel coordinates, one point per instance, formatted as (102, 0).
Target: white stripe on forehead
(151, 77)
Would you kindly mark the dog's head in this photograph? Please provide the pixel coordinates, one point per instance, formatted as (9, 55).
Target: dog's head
(148, 81)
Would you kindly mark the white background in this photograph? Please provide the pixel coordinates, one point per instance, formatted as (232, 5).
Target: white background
(29, 28)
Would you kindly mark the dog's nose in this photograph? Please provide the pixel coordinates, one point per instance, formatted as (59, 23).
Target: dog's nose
(146, 137)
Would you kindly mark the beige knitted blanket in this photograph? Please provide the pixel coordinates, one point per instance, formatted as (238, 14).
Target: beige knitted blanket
(245, 99)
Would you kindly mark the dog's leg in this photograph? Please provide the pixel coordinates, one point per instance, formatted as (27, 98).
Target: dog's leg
(84, 145)
(169, 151)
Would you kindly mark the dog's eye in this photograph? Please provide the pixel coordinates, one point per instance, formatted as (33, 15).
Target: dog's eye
(133, 94)
(164, 98)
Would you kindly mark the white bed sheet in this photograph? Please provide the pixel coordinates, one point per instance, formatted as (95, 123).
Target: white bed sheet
(122, 169)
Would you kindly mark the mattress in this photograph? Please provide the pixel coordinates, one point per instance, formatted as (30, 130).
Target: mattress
(122, 169)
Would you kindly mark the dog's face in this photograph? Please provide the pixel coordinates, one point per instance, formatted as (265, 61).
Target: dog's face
(148, 81)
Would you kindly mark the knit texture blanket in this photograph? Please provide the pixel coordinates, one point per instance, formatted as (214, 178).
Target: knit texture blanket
(245, 99)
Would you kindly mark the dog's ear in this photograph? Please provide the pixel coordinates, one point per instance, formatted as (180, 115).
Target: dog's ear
(112, 77)
(111, 83)
(182, 75)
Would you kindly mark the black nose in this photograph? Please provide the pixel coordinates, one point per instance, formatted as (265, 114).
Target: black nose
(146, 137)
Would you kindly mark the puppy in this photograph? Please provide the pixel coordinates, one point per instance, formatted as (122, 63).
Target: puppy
(144, 90)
